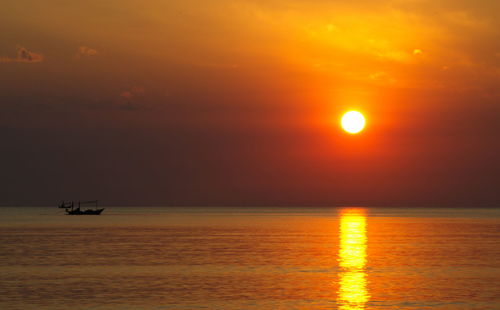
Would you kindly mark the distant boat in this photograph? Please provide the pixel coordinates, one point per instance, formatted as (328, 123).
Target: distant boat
(71, 210)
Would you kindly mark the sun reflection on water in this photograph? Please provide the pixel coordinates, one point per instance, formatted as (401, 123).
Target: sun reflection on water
(353, 293)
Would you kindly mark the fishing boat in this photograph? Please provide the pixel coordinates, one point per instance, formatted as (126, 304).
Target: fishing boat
(70, 209)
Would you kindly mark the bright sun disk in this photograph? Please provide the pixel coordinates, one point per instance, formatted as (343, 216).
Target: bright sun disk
(353, 122)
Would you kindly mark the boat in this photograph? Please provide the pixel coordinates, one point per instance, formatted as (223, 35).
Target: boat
(70, 209)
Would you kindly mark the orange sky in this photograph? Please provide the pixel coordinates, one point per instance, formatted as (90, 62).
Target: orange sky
(238, 102)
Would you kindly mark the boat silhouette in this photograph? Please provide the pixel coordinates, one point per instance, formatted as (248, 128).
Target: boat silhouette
(70, 209)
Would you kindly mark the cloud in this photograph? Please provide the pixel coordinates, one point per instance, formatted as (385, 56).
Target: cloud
(126, 94)
(23, 55)
(132, 99)
(132, 92)
(85, 51)
(382, 77)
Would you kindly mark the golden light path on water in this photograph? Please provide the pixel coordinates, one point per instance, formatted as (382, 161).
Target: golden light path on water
(353, 293)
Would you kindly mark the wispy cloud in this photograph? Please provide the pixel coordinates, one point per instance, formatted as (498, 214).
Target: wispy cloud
(85, 51)
(132, 92)
(132, 99)
(23, 55)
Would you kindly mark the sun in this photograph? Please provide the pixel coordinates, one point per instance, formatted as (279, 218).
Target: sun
(353, 122)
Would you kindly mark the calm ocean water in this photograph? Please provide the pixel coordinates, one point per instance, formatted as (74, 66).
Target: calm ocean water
(250, 258)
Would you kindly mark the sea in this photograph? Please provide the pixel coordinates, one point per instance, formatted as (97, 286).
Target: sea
(250, 258)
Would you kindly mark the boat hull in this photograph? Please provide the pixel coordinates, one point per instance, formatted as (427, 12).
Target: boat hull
(85, 212)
